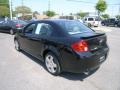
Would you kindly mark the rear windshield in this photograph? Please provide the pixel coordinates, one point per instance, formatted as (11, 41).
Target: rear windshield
(19, 22)
(74, 27)
(90, 19)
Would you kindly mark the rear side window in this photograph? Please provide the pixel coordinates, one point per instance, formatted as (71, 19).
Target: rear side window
(74, 27)
(43, 29)
(19, 22)
(90, 19)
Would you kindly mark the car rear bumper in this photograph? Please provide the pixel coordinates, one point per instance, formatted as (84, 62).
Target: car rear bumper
(83, 62)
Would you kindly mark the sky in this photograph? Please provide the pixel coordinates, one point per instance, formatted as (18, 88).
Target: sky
(66, 7)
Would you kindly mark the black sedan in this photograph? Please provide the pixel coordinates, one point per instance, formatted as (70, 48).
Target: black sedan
(109, 22)
(118, 24)
(11, 26)
(63, 45)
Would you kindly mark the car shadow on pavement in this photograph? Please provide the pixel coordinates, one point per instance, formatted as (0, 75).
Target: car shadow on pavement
(66, 75)
(33, 58)
(5, 33)
(77, 76)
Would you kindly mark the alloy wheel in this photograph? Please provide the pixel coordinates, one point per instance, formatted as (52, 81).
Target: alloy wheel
(52, 64)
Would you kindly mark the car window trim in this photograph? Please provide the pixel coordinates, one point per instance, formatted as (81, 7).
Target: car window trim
(41, 23)
(28, 26)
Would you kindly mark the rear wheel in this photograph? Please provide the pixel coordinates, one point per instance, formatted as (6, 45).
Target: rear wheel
(11, 31)
(17, 46)
(52, 64)
(89, 25)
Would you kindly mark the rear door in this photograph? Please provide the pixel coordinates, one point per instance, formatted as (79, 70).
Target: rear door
(41, 35)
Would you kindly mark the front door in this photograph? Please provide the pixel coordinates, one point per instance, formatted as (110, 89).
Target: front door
(25, 39)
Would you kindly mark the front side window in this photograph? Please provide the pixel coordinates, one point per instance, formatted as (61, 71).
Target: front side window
(30, 29)
(112, 20)
(43, 29)
(85, 19)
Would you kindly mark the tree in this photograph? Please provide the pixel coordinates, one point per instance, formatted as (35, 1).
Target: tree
(101, 6)
(4, 11)
(105, 16)
(82, 14)
(71, 14)
(49, 13)
(4, 3)
(14, 13)
(118, 17)
(35, 13)
(24, 10)
(4, 8)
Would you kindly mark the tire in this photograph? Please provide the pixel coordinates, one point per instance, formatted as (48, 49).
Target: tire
(89, 25)
(52, 64)
(11, 31)
(103, 24)
(116, 25)
(17, 45)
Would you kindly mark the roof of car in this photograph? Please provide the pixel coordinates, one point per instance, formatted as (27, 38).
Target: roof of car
(54, 20)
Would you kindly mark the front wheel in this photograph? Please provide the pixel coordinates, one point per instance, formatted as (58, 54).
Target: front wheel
(89, 25)
(52, 64)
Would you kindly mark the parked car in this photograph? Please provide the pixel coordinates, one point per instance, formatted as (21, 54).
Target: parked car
(92, 21)
(109, 22)
(11, 26)
(63, 45)
(118, 23)
(103, 22)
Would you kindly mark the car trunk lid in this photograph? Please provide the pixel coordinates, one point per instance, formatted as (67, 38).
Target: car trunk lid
(94, 40)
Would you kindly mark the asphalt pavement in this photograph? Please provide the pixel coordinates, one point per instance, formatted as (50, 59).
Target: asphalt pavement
(20, 71)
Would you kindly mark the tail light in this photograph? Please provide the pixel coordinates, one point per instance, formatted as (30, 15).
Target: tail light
(18, 25)
(81, 46)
